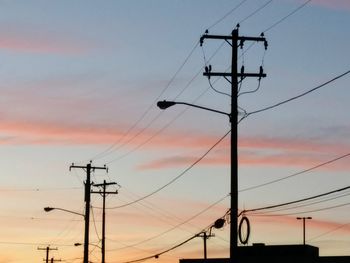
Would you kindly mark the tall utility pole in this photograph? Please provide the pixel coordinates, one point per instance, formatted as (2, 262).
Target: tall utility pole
(47, 249)
(88, 168)
(104, 193)
(235, 41)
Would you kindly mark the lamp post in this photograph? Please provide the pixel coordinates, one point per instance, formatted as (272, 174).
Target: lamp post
(233, 164)
(48, 209)
(304, 219)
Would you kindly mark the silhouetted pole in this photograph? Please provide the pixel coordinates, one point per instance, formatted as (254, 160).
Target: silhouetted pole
(47, 249)
(53, 260)
(104, 193)
(304, 219)
(234, 75)
(88, 169)
(205, 236)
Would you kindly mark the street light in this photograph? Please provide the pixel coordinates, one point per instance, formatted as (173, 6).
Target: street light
(166, 104)
(48, 209)
(80, 244)
(233, 163)
(304, 218)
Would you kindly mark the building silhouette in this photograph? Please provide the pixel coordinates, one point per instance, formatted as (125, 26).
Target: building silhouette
(276, 254)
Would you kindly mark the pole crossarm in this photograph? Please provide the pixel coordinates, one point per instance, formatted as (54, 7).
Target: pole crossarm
(232, 37)
(240, 75)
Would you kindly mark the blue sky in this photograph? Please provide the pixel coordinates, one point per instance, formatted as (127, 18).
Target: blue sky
(76, 78)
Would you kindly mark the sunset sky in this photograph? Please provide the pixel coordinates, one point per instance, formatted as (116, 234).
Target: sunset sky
(80, 81)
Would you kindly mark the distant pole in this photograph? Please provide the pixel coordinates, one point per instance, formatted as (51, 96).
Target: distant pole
(88, 169)
(304, 219)
(104, 193)
(205, 236)
(47, 249)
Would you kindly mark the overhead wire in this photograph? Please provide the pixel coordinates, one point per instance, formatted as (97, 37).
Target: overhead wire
(100, 155)
(309, 203)
(295, 201)
(175, 246)
(255, 11)
(179, 94)
(297, 173)
(175, 227)
(94, 221)
(132, 127)
(327, 232)
(227, 14)
(175, 178)
(288, 15)
(298, 96)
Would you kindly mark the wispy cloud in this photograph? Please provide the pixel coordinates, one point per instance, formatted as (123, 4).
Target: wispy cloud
(263, 151)
(28, 40)
(338, 4)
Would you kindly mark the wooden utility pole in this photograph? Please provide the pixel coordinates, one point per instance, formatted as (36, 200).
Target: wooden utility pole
(47, 249)
(235, 41)
(88, 168)
(104, 193)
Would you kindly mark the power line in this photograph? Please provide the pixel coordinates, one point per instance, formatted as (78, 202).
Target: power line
(295, 174)
(305, 212)
(298, 96)
(227, 14)
(106, 151)
(256, 11)
(174, 179)
(180, 244)
(102, 154)
(310, 203)
(175, 227)
(327, 232)
(288, 15)
(296, 201)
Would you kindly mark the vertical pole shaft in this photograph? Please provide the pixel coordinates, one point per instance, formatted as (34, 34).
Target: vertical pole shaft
(304, 230)
(87, 213)
(205, 244)
(234, 151)
(104, 221)
(47, 254)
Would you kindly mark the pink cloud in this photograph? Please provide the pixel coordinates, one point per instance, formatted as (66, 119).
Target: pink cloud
(19, 40)
(337, 5)
(262, 151)
(181, 161)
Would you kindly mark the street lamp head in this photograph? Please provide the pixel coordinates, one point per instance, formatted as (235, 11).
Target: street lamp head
(165, 104)
(48, 209)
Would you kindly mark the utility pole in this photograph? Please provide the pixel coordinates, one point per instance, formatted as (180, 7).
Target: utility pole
(53, 260)
(88, 168)
(47, 249)
(104, 193)
(304, 219)
(235, 41)
(205, 236)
